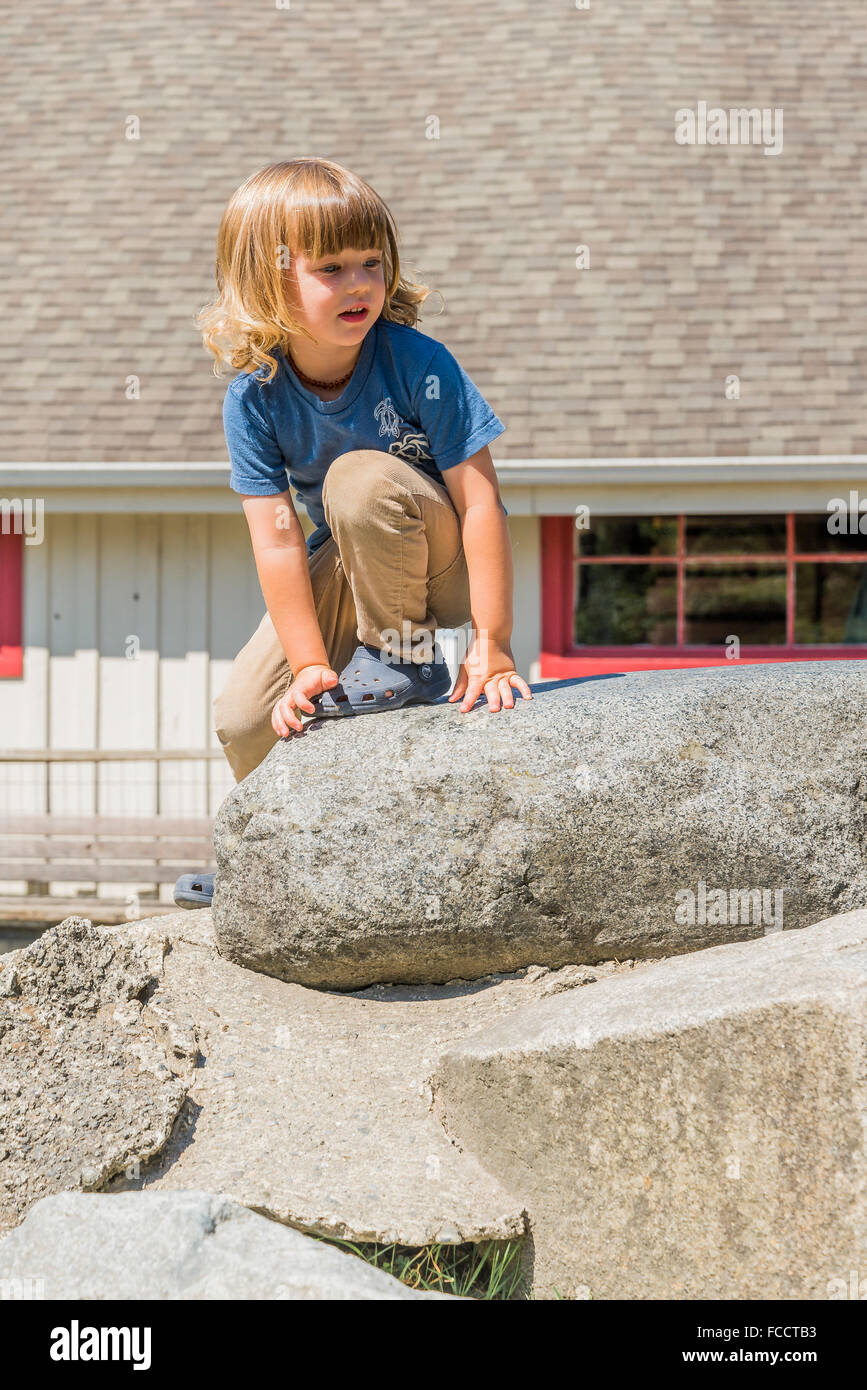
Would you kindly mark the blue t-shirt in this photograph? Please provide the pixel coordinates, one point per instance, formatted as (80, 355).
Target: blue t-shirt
(407, 396)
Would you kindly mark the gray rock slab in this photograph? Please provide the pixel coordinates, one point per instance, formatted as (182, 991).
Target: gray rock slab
(90, 1079)
(428, 844)
(314, 1108)
(176, 1245)
(693, 1131)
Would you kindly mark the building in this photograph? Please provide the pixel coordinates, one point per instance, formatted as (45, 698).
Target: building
(674, 335)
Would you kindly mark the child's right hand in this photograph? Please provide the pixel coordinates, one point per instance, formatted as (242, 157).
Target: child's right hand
(311, 680)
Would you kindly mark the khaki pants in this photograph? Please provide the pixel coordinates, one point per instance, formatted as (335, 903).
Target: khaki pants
(394, 560)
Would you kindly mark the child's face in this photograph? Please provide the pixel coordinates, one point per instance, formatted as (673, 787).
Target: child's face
(320, 291)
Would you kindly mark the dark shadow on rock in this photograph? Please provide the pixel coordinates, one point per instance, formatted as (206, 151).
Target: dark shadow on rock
(424, 994)
(542, 688)
(565, 682)
(528, 1262)
(138, 1176)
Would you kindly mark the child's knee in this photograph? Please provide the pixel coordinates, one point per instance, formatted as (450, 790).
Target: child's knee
(361, 477)
(246, 737)
(234, 721)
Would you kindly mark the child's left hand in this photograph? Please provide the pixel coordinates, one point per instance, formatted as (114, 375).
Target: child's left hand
(489, 668)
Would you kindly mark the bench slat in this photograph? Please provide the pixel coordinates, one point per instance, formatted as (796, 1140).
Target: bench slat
(46, 824)
(98, 849)
(95, 756)
(98, 873)
(45, 909)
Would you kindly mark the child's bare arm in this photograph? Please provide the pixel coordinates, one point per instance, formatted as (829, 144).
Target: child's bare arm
(489, 668)
(281, 562)
(280, 553)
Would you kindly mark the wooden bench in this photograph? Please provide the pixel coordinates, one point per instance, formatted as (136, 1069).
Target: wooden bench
(133, 850)
(136, 852)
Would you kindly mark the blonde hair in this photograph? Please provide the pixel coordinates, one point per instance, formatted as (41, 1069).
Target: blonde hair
(308, 206)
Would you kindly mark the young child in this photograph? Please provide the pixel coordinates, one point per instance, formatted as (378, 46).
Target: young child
(385, 440)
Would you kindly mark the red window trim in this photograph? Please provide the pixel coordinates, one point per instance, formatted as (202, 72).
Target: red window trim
(560, 657)
(11, 590)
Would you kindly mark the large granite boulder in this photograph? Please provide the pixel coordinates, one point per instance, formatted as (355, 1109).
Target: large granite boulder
(176, 1245)
(692, 1131)
(637, 816)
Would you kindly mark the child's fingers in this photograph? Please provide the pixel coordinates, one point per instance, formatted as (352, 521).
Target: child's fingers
(284, 718)
(504, 685)
(493, 692)
(504, 689)
(299, 702)
(497, 690)
(474, 690)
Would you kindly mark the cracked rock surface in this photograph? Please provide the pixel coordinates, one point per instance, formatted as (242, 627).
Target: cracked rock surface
(89, 1081)
(145, 1060)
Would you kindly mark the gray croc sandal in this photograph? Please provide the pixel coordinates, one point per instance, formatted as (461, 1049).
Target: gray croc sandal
(368, 684)
(194, 890)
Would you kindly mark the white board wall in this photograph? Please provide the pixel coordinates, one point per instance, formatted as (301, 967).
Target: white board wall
(131, 623)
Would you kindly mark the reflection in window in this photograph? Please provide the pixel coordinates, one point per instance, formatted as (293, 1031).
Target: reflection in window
(619, 604)
(763, 602)
(735, 535)
(615, 535)
(744, 601)
(830, 602)
(812, 537)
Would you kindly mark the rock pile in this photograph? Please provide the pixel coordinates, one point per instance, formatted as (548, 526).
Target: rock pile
(408, 1026)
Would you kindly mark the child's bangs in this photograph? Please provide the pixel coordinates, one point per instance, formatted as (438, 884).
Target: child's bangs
(346, 222)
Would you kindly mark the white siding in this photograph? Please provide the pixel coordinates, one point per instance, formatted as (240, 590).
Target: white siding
(527, 632)
(131, 624)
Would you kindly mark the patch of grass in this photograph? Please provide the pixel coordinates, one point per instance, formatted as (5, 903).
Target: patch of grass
(489, 1270)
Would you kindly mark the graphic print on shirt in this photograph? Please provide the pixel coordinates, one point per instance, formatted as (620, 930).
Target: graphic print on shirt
(408, 442)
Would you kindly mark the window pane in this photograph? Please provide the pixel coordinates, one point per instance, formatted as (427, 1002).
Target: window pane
(735, 535)
(619, 604)
(619, 535)
(812, 536)
(745, 601)
(830, 603)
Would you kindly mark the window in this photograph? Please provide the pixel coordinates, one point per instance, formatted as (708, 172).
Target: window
(11, 559)
(656, 591)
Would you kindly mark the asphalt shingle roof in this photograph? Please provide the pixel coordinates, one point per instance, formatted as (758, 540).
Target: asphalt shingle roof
(556, 130)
